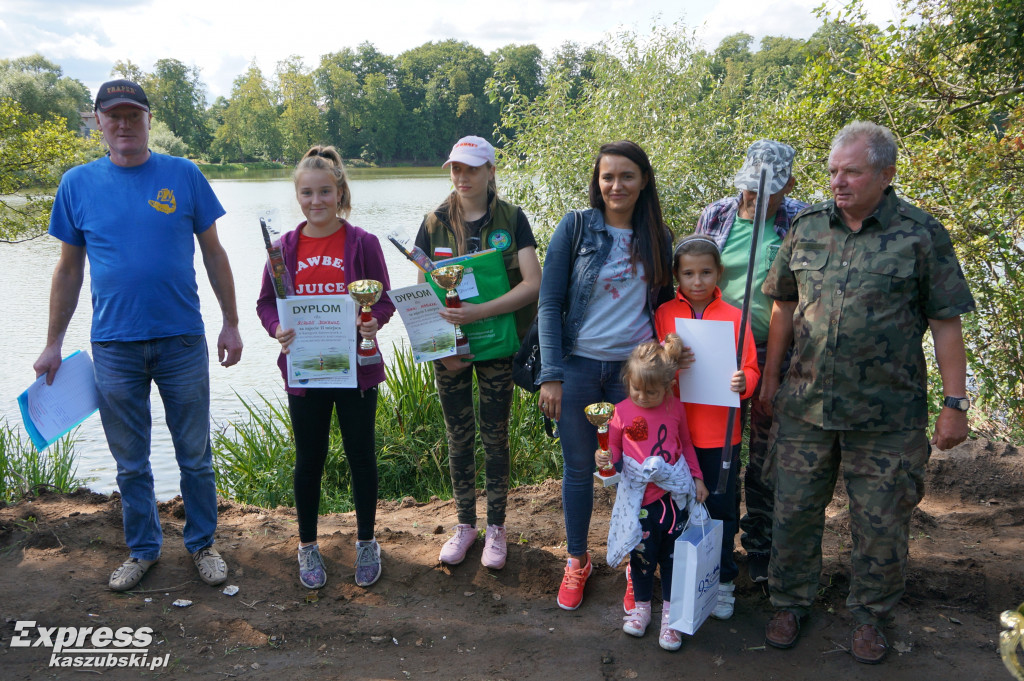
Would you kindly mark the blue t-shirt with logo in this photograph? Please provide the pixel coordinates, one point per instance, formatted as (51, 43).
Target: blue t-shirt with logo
(138, 227)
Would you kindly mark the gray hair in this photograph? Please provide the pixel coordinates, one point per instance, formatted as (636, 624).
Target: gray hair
(880, 141)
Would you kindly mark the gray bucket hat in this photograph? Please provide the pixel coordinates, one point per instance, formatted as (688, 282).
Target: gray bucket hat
(779, 155)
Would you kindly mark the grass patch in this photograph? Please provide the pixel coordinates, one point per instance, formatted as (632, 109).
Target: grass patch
(255, 454)
(26, 472)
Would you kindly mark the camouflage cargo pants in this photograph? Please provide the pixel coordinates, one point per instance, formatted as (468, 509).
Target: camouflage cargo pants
(455, 388)
(758, 489)
(884, 474)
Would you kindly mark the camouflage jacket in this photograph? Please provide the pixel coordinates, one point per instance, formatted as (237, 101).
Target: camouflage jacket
(863, 303)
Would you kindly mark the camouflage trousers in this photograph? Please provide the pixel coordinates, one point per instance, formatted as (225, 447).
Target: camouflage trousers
(758, 488)
(884, 474)
(455, 388)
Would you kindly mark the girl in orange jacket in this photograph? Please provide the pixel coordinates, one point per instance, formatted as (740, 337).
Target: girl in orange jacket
(697, 265)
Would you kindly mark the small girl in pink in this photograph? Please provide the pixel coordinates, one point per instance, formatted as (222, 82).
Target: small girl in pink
(660, 476)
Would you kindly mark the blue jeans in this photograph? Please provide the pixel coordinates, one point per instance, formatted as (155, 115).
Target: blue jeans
(586, 381)
(179, 366)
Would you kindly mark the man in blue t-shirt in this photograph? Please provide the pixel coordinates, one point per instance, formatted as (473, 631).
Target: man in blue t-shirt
(136, 215)
(730, 222)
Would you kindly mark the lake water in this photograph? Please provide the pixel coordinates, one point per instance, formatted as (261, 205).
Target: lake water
(383, 203)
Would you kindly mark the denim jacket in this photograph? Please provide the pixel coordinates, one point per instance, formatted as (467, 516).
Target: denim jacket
(565, 295)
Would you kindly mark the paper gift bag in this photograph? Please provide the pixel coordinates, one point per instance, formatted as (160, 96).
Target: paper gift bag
(695, 570)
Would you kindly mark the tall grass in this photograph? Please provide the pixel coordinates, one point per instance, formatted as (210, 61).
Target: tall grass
(26, 472)
(255, 454)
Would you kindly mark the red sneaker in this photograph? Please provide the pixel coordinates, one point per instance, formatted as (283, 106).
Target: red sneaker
(628, 601)
(570, 593)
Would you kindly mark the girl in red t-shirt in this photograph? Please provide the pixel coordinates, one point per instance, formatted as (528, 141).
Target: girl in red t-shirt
(322, 255)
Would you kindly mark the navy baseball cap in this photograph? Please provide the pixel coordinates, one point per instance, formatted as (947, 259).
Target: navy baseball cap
(117, 92)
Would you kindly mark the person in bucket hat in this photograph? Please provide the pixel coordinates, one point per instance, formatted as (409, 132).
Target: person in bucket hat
(729, 222)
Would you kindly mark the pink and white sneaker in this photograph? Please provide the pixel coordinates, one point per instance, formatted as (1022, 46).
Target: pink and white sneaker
(669, 639)
(636, 620)
(495, 548)
(454, 550)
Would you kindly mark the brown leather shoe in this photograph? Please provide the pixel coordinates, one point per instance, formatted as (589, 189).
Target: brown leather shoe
(869, 646)
(782, 629)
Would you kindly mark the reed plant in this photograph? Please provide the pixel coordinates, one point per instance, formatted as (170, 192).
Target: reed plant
(25, 471)
(255, 454)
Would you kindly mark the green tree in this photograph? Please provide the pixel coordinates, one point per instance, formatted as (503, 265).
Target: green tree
(380, 120)
(163, 141)
(443, 86)
(522, 64)
(301, 122)
(339, 85)
(128, 70)
(177, 96)
(250, 130)
(40, 87)
(946, 79)
(34, 152)
(574, 64)
(517, 75)
(653, 91)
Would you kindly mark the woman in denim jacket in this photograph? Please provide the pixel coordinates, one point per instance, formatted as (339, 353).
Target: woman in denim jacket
(596, 305)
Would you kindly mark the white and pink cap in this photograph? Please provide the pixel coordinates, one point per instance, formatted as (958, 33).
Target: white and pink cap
(472, 151)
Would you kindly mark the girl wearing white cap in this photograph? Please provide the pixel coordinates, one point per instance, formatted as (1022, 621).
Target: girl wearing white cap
(470, 219)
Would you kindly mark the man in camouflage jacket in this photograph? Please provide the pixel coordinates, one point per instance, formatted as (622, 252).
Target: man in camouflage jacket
(856, 282)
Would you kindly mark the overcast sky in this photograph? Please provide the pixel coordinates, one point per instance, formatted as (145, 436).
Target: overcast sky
(86, 37)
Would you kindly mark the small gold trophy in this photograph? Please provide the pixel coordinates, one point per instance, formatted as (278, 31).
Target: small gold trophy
(599, 414)
(449, 277)
(366, 292)
(1010, 640)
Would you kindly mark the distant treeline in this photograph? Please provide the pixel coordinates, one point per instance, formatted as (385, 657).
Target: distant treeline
(383, 109)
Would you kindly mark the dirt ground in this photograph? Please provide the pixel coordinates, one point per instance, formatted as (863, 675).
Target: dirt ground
(425, 621)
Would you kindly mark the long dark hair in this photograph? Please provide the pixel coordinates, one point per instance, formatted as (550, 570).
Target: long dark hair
(648, 225)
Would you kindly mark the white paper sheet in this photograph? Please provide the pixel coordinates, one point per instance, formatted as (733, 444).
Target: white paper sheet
(323, 354)
(50, 411)
(714, 348)
(430, 336)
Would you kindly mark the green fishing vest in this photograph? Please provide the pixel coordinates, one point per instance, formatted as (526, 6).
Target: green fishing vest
(498, 231)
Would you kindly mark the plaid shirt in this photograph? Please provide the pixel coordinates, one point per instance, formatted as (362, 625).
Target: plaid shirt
(716, 220)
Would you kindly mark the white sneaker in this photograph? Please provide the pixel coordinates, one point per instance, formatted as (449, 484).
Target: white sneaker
(726, 601)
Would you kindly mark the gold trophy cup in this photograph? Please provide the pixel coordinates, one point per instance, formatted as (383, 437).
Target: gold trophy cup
(1012, 639)
(599, 414)
(449, 277)
(366, 292)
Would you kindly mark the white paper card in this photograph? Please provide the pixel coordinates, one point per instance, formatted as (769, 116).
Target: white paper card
(708, 379)
(323, 354)
(467, 287)
(430, 335)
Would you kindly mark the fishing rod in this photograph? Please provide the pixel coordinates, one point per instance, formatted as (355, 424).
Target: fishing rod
(763, 182)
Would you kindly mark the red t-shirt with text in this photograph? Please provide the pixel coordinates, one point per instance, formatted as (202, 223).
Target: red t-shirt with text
(320, 266)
